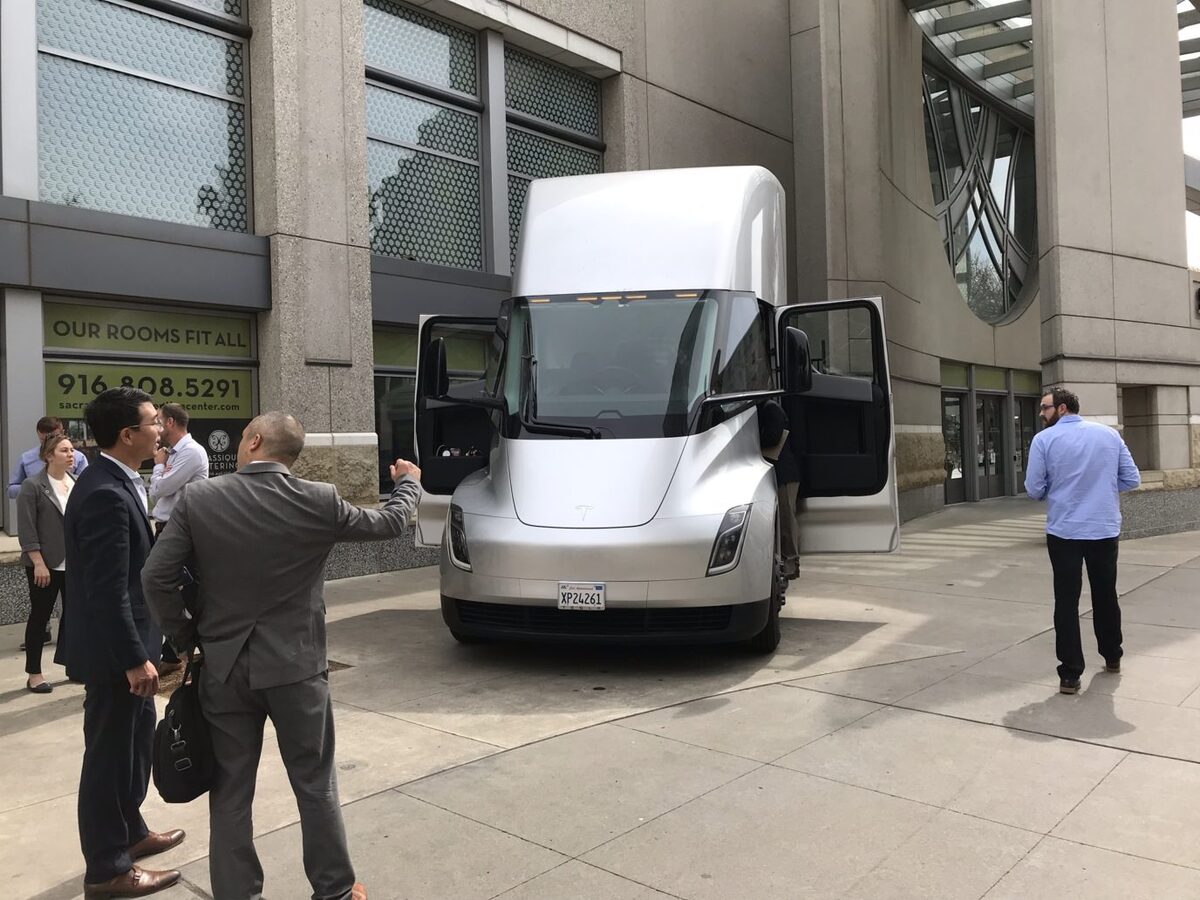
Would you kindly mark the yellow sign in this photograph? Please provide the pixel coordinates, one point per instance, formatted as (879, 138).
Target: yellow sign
(204, 393)
(117, 329)
(466, 347)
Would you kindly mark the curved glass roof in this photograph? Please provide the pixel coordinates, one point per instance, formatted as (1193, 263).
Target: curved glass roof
(991, 42)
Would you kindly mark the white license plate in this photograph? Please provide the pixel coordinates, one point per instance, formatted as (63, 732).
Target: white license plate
(587, 595)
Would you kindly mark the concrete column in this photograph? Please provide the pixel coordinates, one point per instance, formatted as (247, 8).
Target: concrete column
(310, 198)
(18, 100)
(1114, 278)
(22, 387)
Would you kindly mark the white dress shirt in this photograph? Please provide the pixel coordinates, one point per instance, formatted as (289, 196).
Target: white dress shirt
(132, 475)
(61, 491)
(186, 462)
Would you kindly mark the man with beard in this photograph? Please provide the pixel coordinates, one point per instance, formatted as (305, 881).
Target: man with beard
(1079, 468)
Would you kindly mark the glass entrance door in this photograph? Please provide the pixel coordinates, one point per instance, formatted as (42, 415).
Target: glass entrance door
(989, 445)
(955, 438)
(1027, 426)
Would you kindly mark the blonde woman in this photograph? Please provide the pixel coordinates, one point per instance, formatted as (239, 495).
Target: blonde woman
(41, 505)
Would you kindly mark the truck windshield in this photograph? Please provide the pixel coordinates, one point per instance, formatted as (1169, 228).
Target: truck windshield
(629, 365)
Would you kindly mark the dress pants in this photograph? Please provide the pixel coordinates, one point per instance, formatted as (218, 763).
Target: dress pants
(118, 736)
(1067, 557)
(303, 718)
(168, 650)
(41, 607)
(789, 536)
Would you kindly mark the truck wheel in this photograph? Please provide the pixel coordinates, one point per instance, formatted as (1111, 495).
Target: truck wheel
(768, 639)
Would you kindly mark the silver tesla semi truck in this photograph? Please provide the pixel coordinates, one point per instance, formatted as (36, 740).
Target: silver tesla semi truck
(590, 455)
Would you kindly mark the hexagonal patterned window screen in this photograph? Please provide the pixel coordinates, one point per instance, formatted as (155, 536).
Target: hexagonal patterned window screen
(407, 43)
(141, 115)
(532, 156)
(568, 102)
(551, 92)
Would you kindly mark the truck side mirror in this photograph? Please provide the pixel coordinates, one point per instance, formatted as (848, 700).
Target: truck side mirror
(433, 374)
(797, 366)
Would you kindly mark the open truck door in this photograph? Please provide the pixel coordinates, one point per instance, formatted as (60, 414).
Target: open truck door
(837, 395)
(456, 360)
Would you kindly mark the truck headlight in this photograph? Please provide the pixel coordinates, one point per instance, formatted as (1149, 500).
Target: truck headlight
(457, 539)
(727, 548)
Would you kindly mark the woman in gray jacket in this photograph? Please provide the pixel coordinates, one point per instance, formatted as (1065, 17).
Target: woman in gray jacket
(40, 508)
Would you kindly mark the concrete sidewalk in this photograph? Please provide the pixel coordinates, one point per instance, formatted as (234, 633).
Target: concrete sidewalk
(907, 740)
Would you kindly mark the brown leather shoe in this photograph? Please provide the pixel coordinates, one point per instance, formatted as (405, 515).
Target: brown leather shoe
(137, 882)
(156, 842)
(359, 891)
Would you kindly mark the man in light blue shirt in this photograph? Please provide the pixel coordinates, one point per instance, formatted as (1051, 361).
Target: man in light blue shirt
(1080, 468)
(178, 463)
(31, 463)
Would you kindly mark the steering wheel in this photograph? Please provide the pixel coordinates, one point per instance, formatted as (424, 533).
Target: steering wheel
(611, 379)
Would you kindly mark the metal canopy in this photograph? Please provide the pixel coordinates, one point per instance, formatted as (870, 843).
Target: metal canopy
(991, 42)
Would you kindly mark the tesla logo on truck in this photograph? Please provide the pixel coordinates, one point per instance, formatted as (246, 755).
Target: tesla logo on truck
(583, 512)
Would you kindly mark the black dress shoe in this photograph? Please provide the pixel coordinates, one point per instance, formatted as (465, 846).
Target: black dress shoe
(43, 688)
(1112, 665)
(1068, 686)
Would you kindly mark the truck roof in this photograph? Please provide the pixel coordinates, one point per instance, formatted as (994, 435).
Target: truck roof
(665, 229)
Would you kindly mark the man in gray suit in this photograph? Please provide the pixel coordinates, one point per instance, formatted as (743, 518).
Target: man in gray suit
(261, 538)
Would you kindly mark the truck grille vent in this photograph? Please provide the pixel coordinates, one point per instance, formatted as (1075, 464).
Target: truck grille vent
(547, 620)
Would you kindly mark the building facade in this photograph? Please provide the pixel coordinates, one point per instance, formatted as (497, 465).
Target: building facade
(245, 205)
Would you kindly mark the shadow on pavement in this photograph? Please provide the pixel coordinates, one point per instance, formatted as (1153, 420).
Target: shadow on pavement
(1092, 715)
(406, 660)
(43, 713)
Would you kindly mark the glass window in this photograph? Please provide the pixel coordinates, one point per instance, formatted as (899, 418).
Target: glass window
(942, 114)
(839, 340)
(560, 97)
(629, 365)
(424, 180)
(402, 41)
(533, 156)
(141, 114)
(980, 281)
(982, 175)
(954, 374)
(235, 8)
(394, 394)
(550, 92)
(935, 165)
(952, 433)
(1006, 141)
(746, 361)
(425, 133)
(1022, 208)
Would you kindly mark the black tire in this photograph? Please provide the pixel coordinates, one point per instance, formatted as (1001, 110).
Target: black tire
(767, 640)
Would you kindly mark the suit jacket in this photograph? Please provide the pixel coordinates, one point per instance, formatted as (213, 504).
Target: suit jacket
(40, 521)
(260, 538)
(108, 537)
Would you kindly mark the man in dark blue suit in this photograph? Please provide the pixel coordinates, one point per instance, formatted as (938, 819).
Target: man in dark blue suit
(115, 647)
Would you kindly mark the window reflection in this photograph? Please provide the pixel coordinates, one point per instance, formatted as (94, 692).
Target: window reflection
(981, 169)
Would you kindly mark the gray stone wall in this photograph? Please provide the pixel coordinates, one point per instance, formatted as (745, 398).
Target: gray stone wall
(346, 561)
(922, 501)
(1147, 513)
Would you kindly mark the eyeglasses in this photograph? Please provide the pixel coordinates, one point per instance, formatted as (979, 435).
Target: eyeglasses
(1048, 406)
(157, 423)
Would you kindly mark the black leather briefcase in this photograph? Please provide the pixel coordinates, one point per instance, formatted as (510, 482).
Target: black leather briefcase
(183, 763)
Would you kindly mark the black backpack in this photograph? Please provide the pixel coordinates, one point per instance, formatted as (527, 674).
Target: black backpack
(183, 763)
